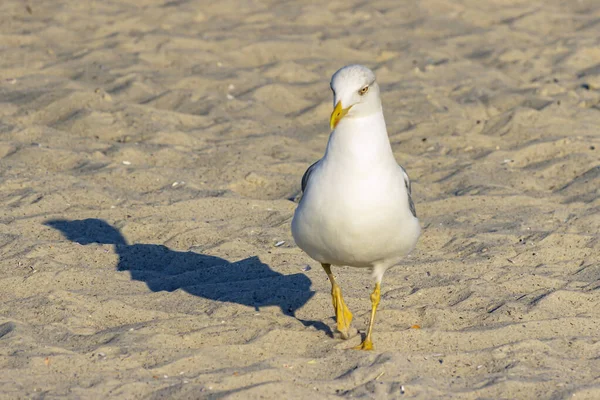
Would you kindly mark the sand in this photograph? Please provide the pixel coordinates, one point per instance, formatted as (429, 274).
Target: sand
(149, 151)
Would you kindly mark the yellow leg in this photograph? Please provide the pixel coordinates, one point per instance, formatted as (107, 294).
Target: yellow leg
(367, 344)
(342, 313)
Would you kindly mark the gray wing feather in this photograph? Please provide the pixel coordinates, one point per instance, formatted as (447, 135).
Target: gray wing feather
(306, 175)
(411, 204)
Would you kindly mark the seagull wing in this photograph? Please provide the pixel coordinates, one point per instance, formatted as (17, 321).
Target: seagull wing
(306, 175)
(411, 204)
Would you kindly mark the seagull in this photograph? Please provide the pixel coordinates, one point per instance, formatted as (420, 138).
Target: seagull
(356, 208)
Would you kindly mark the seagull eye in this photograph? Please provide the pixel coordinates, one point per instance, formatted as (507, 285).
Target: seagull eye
(363, 90)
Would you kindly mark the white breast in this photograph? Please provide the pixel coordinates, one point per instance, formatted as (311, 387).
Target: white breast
(355, 223)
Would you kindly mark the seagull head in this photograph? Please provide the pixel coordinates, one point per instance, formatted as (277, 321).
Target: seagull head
(355, 93)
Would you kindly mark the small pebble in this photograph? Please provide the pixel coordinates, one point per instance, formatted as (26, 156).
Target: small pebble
(306, 268)
(127, 162)
(280, 243)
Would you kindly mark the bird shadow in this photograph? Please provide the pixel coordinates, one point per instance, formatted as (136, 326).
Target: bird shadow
(248, 282)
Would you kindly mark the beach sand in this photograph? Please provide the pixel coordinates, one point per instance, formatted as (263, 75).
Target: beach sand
(149, 151)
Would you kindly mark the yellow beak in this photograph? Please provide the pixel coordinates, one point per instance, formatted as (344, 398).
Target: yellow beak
(337, 114)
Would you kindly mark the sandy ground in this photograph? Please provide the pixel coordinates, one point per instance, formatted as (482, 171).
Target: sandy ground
(149, 149)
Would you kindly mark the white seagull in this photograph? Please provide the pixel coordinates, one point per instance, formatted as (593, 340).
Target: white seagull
(356, 209)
